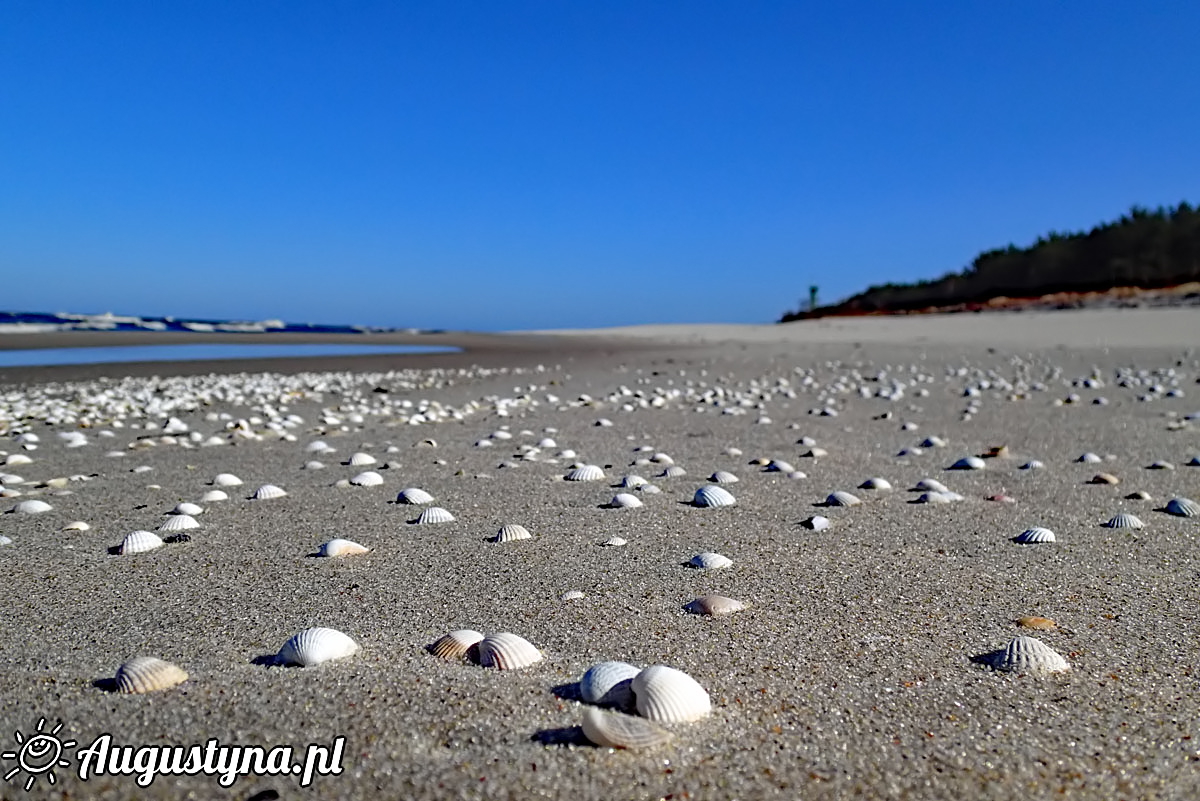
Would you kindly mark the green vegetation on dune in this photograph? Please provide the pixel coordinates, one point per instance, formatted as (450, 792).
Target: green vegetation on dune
(1143, 249)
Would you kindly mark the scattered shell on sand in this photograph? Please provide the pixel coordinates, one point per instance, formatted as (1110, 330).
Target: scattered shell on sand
(360, 460)
(623, 500)
(710, 561)
(667, 695)
(33, 506)
(1183, 507)
(1035, 536)
(338, 547)
(144, 674)
(1160, 465)
(1124, 520)
(617, 730)
(673, 471)
(614, 542)
(434, 514)
(780, 466)
(714, 605)
(1089, 458)
(876, 484)
(1032, 464)
(226, 480)
(187, 508)
(139, 542)
(930, 485)
(507, 651)
(711, 496)
(723, 477)
(314, 646)
(608, 684)
(631, 481)
(816, 523)
(571, 595)
(1031, 655)
(213, 496)
(1037, 623)
(179, 523)
(368, 479)
(512, 532)
(267, 492)
(840, 498)
(968, 463)
(414, 496)
(587, 472)
(1104, 478)
(77, 525)
(1139, 495)
(457, 644)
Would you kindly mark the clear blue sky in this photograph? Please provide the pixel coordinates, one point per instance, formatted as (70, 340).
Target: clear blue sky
(498, 165)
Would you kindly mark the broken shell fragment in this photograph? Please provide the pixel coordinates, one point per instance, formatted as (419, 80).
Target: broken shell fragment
(144, 674)
(616, 730)
(314, 646)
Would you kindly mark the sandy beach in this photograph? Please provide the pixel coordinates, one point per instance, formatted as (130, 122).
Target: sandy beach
(864, 664)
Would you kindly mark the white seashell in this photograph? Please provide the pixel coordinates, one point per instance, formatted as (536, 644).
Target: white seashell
(710, 561)
(780, 466)
(796, 474)
(934, 497)
(1031, 655)
(968, 463)
(668, 695)
(367, 479)
(187, 508)
(616, 730)
(614, 542)
(588, 472)
(1032, 464)
(714, 605)
(267, 492)
(623, 500)
(1183, 507)
(512, 532)
(1089, 458)
(360, 460)
(816, 523)
(1160, 465)
(662, 458)
(77, 525)
(314, 465)
(1034, 536)
(434, 514)
(713, 496)
(5, 541)
(571, 595)
(876, 484)
(457, 644)
(317, 446)
(212, 496)
(226, 480)
(139, 542)
(608, 684)
(506, 651)
(673, 471)
(339, 547)
(1125, 520)
(840, 498)
(17, 458)
(314, 646)
(1104, 478)
(1140, 495)
(631, 481)
(931, 485)
(179, 523)
(723, 477)
(33, 506)
(144, 674)
(414, 496)
(647, 489)
(933, 442)
(815, 453)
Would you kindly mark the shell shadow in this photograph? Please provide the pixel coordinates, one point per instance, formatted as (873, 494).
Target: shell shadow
(992, 659)
(115, 550)
(265, 660)
(568, 692)
(108, 684)
(561, 737)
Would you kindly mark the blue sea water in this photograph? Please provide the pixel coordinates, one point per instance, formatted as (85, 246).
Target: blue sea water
(197, 352)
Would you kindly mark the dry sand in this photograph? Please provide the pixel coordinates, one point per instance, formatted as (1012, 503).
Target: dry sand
(849, 675)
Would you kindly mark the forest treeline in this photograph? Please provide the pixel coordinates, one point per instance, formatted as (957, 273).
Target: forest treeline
(1147, 249)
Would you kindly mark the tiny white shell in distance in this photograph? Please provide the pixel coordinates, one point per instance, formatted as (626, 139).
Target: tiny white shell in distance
(709, 560)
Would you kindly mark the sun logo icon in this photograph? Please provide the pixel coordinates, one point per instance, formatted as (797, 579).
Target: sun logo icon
(39, 754)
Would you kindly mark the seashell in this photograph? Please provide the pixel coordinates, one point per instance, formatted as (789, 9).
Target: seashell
(933, 442)
(759, 462)
(1089, 458)
(226, 480)
(77, 525)
(212, 496)
(457, 644)
(314, 646)
(723, 477)
(139, 542)
(317, 446)
(876, 484)
(588, 472)
(1001, 498)
(779, 466)
(367, 479)
(146, 674)
(1193, 462)
(1104, 478)
(996, 452)
(672, 471)
(314, 465)
(1038, 623)
(662, 458)
(512, 532)
(931, 485)
(360, 460)
(5, 541)
(840, 498)
(815, 453)
(614, 542)
(339, 547)
(17, 458)
(179, 523)
(186, 508)
(434, 514)
(623, 500)
(713, 496)
(648, 489)
(968, 463)
(616, 730)
(1124, 520)
(603, 422)
(607, 684)
(571, 595)
(934, 497)
(414, 496)
(1183, 507)
(667, 695)
(714, 605)
(1035, 536)
(1140, 495)
(1031, 655)
(268, 491)
(506, 651)
(631, 481)
(816, 523)
(710, 561)
(1160, 465)
(33, 506)
(1032, 464)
